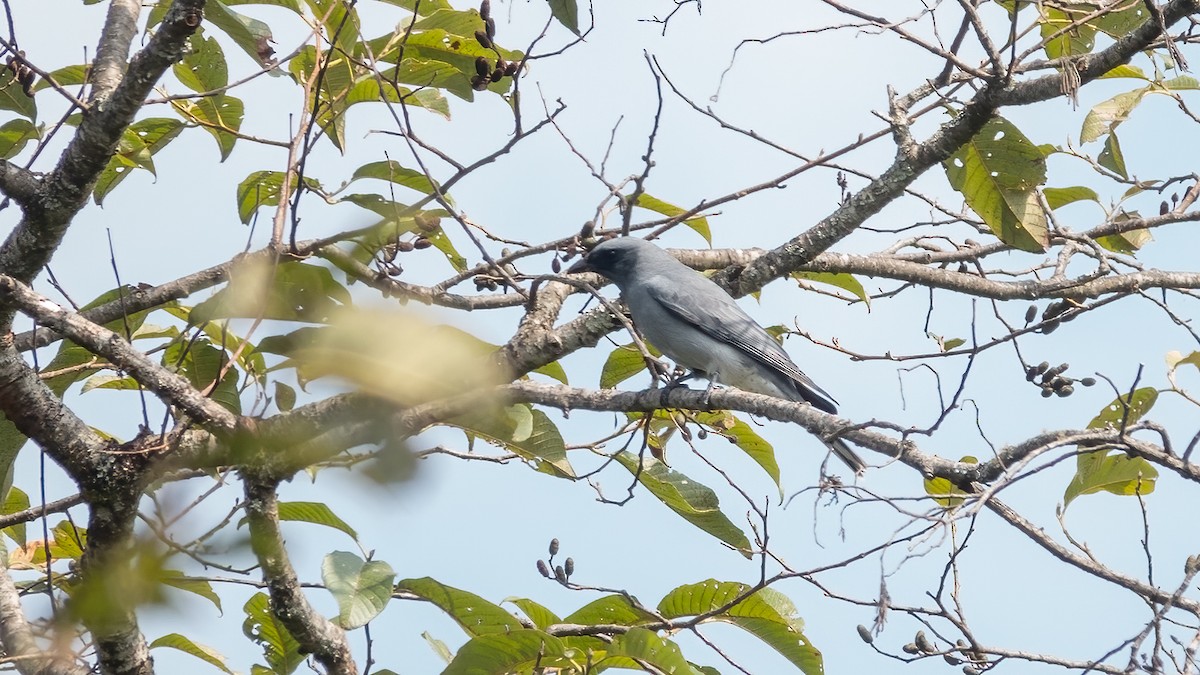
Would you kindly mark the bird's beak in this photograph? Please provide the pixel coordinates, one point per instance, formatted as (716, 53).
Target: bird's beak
(580, 267)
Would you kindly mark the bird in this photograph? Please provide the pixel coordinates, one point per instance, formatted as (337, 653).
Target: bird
(691, 319)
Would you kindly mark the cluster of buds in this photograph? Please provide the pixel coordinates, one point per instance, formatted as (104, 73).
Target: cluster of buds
(21, 71)
(561, 572)
(1052, 381)
(485, 71)
(386, 257)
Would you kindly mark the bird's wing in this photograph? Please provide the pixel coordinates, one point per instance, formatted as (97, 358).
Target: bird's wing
(712, 310)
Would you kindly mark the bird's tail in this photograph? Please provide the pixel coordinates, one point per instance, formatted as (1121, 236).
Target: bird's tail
(843, 451)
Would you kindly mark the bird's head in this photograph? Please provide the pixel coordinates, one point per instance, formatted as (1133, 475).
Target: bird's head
(617, 259)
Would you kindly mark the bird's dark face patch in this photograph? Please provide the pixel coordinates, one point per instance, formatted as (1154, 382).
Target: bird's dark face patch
(614, 259)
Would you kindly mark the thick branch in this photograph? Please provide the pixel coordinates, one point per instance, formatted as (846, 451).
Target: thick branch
(99, 340)
(316, 634)
(120, 27)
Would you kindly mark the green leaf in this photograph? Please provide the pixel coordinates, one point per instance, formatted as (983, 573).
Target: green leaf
(285, 396)
(316, 513)
(623, 363)
(523, 430)
(13, 97)
(392, 172)
(745, 438)
(1112, 158)
(15, 134)
(610, 609)
(64, 77)
(110, 381)
(766, 614)
(203, 68)
(135, 151)
(1126, 242)
(200, 363)
(1105, 117)
(1125, 70)
(219, 115)
(437, 646)
(518, 651)
(947, 494)
(1065, 35)
(841, 280)
(539, 615)
(1057, 198)
(185, 645)
(252, 35)
(280, 649)
(200, 587)
(340, 21)
(1115, 472)
(694, 502)
(697, 223)
(15, 502)
(553, 370)
(262, 188)
(642, 645)
(68, 541)
(1128, 408)
(290, 291)
(362, 588)
(998, 172)
(566, 12)
(476, 615)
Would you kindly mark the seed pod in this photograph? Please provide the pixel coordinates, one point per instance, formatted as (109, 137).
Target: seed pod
(910, 648)
(1163, 208)
(510, 68)
(404, 246)
(1030, 314)
(497, 75)
(569, 566)
(556, 265)
(970, 670)
(554, 547)
(865, 634)
(1065, 391)
(1050, 327)
(702, 434)
(485, 9)
(501, 64)
(421, 243)
(560, 574)
(588, 230)
(542, 569)
(483, 39)
(951, 659)
(962, 268)
(1088, 381)
(489, 24)
(480, 83)
(1047, 392)
(1043, 366)
(482, 67)
(923, 643)
(1031, 374)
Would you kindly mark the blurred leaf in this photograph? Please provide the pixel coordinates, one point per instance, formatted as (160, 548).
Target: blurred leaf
(289, 291)
(1105, 117)
(340, 21)
(1057, 198)
(523, 430)
(697, 223)
(185, 645)
(1126, 242)
(437, 646)
(476, 615)
(947, 494)
(285, 397)
(281, 650)
(200, 363)
(694, 502)
(362, 588)
(767, 614)
(998, 172)
(13, 97)
(1112, 158)
(846, 282)
(203, 67)
(567, 13)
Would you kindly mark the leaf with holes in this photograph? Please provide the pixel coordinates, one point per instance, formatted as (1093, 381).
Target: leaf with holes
(220, 116)
(998, 172)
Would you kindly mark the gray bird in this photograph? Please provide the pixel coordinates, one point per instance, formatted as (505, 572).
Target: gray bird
(700, 326)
